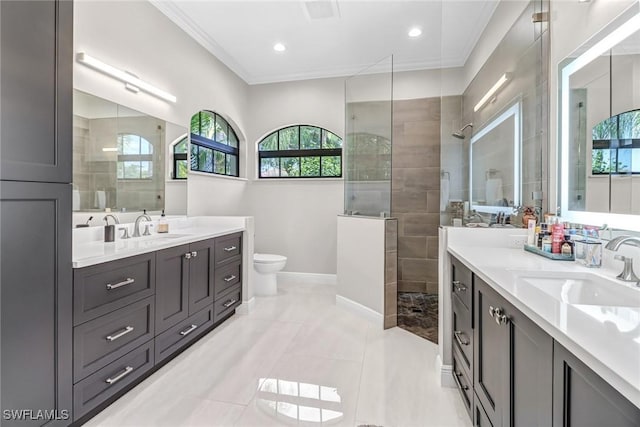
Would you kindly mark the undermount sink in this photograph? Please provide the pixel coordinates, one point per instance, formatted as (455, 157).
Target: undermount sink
(581, 288)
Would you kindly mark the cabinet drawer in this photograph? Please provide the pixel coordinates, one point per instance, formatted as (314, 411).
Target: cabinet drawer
(100, 289)
(226, 277)
(462, 332)
(227, 303)
(462, 282)
(98, 387)
(480, 417)
(183, 333)
(103, 340)
(228, 247)
(465, 385)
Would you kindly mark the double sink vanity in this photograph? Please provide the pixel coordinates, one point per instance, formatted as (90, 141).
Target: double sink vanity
(539, 342)
(138, 302)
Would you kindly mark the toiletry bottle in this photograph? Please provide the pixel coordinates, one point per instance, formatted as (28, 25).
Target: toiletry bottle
(163, 224)
(531, 232)
(557, 237)
(546, 243)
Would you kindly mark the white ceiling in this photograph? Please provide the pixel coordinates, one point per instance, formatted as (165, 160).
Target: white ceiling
(242, 33)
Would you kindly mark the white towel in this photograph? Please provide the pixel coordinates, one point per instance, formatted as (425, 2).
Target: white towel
(444, 194)
(76, 200)
(494, 191)
(101, 199)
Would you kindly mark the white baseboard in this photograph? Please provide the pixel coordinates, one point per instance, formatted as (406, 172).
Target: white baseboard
(295, 278)
(246, 306)
(445, 374)
(360, 310)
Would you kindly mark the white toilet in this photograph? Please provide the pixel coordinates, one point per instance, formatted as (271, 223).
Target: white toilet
(266, 267)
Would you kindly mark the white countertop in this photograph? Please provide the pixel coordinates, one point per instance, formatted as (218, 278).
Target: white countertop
(607, 339)
(89, 249)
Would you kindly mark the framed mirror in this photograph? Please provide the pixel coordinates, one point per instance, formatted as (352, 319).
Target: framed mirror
(496, 164)
(122, 158)
(599, 176)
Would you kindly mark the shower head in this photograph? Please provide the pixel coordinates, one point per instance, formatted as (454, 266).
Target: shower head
(459, 134)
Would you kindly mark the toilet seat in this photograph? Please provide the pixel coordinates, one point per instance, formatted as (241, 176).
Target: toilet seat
(268, 258)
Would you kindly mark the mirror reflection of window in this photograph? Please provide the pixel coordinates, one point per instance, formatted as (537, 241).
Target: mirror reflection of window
(616, 145)
(135, 157)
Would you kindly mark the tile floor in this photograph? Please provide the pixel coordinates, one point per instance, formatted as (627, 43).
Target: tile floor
(296, 359)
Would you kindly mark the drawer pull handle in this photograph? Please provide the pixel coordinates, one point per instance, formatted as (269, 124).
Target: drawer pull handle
(188, 331)
(229, 278)
(194, 254)
(461, 341)
(498, 315)
(229, 303)
(459, 384)
(230, 248)
(187, 255)
(125, 282)
(120, 376)
(124, 332)
(458, 287)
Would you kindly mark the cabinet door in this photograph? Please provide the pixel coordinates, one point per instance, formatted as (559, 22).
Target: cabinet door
(201, 275)
(531, 356)
(491, 354)
(36, 51)
(35, 224)
(582, 399)
(172, 280)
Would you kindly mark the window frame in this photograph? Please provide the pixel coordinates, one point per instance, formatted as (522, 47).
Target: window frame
(176, 157)
(299, 153)
(139, 157)
(199, 141)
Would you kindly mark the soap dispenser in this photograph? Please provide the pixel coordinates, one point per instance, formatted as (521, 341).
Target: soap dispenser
(163, 224)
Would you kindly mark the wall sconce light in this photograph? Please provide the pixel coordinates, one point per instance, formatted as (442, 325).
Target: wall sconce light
(132, 82)
(487, 96)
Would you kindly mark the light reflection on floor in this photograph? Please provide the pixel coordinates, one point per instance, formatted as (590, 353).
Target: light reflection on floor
(296, 401)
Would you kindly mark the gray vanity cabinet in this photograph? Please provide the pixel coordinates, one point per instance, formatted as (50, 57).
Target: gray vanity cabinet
(36, 84)
(184, 282)
(35, 223)
(582, 399)
(512, 363)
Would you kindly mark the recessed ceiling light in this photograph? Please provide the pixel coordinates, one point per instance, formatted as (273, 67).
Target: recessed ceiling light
(279, 47)
(415, 32)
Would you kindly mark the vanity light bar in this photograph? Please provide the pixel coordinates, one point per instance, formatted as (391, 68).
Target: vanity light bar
(123, 76)
(487, 96)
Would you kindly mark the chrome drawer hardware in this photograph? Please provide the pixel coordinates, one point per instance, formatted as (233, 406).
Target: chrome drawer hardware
(229, 303)
(229, 278)
(187, 255)
(194, 254)
(118, 377)
(125, 282)
(230, 248)
(461, 341)
(498, 315)
(455, 377)
(188, 331)
(124, 332)
(458, 287)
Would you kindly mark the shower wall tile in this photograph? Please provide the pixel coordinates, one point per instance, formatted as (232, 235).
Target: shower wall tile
(391, 273)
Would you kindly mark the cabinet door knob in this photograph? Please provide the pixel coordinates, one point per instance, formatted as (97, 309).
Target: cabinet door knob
(194, 254)
(498, 315)
(458, 286)
(187, 255)
(492, 311)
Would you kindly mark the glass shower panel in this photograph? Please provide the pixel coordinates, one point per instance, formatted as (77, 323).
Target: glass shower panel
(367, 148)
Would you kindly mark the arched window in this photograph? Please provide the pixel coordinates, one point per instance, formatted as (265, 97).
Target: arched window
(616, 145)
(214, 145)
(180, 165)
(135, 157)
(301, 151)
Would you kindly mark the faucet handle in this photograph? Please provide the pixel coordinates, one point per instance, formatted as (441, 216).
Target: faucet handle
(621, 258)
(125, 234)
(146, 230)
(627, 274)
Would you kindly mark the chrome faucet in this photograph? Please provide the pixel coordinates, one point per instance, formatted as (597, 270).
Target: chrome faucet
(627, 274)
(473, 215)
(136, 225)
(115, 218)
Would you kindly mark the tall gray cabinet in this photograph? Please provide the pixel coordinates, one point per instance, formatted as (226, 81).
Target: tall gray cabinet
(36, 57)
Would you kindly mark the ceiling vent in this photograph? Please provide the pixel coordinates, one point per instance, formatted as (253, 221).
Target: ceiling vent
(320, 9)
